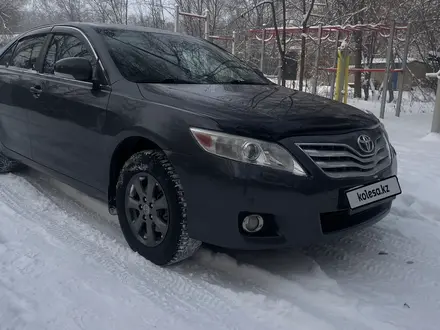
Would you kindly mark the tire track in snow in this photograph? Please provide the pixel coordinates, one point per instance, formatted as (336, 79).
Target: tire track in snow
(335, 307)
(173, 292)
(396, 245)
(362, 249)
(360, 255)
(14, 309)
(383, 278)
(57, 294)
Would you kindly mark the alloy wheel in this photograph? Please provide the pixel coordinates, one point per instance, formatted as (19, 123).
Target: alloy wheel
(147, 210)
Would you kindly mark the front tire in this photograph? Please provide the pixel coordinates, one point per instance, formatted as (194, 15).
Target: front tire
(8, 165)
(152, 209)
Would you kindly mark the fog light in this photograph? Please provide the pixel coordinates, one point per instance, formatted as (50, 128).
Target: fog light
(253, 223)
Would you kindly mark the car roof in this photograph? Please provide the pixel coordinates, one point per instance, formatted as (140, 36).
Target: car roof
(122, 27)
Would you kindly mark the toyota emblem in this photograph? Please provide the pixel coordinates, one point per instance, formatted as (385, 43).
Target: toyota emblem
(365, 143)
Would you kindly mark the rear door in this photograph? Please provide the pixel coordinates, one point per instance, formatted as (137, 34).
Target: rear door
(66, 129)
(19, 91)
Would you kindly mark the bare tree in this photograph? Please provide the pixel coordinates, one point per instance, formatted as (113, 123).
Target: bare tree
(307, 11)
(55, 11)
(110, 11)
(10, 12)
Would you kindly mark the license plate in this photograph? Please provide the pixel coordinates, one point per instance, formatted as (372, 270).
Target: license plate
(371, 193)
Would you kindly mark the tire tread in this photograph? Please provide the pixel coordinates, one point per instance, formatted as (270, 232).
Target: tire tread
(186, 245)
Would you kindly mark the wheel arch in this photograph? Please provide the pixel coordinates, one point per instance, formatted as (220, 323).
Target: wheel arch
(127, 145)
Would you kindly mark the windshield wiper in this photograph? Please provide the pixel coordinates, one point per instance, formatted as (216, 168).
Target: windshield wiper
(176, 81)
(166, 81)
(244, 82)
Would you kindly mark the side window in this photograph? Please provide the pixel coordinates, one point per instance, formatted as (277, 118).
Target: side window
(6, 57)
(51, 55)
(64, 46)
(26, 53)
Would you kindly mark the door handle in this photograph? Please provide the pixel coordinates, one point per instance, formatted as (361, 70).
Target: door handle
(36, 91)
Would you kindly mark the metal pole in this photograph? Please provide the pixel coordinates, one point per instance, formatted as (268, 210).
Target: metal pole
(246, 51)
(206, 24)
(346, 67)
(404, 63)
(263, 46)
(315, 85)
(387, 70)
(176, 19)
(335, 63)
(234, 36)
(280, 76)
(435, 126)
(341, 74)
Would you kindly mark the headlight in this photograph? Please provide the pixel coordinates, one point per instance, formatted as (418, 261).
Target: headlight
(247, 150)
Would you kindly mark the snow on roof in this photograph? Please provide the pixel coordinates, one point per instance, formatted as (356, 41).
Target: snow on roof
(335, 28)
(383, 60)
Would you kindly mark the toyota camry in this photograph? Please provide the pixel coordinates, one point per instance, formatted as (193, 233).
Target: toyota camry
(188, 144)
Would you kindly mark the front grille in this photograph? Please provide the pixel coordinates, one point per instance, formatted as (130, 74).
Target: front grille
(342, 161)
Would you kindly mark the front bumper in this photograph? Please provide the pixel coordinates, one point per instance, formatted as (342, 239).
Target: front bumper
(300, 210)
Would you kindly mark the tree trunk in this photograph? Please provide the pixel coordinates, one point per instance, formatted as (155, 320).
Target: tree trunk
(358, 65)
(282, 58)
(390, 80)
(358, 18)
(303, 40)
(302, 60)
(390, 90)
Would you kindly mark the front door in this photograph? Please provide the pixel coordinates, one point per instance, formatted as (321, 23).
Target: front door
(19, 92)
(66, 130)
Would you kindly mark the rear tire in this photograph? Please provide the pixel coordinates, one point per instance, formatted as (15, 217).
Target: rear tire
(153, 218)
(8, 165)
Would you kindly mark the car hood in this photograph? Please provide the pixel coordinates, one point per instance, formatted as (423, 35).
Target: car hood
(268, 111)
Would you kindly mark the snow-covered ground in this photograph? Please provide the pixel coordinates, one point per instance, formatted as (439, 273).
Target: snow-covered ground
(64, 266)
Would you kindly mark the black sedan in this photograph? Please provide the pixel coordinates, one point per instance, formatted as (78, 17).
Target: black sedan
(188, 144)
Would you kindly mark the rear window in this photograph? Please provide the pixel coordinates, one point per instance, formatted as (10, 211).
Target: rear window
(27, 51)
(154, 57)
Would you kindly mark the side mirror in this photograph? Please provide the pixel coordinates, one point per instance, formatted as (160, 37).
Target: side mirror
(79, 68)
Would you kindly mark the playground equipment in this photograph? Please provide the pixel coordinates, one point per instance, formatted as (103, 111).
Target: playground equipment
(341, 64)
(179, 13)
(232, 39)
(206, 34)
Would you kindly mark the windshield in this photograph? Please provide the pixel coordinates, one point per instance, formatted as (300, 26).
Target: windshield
(152, 57)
